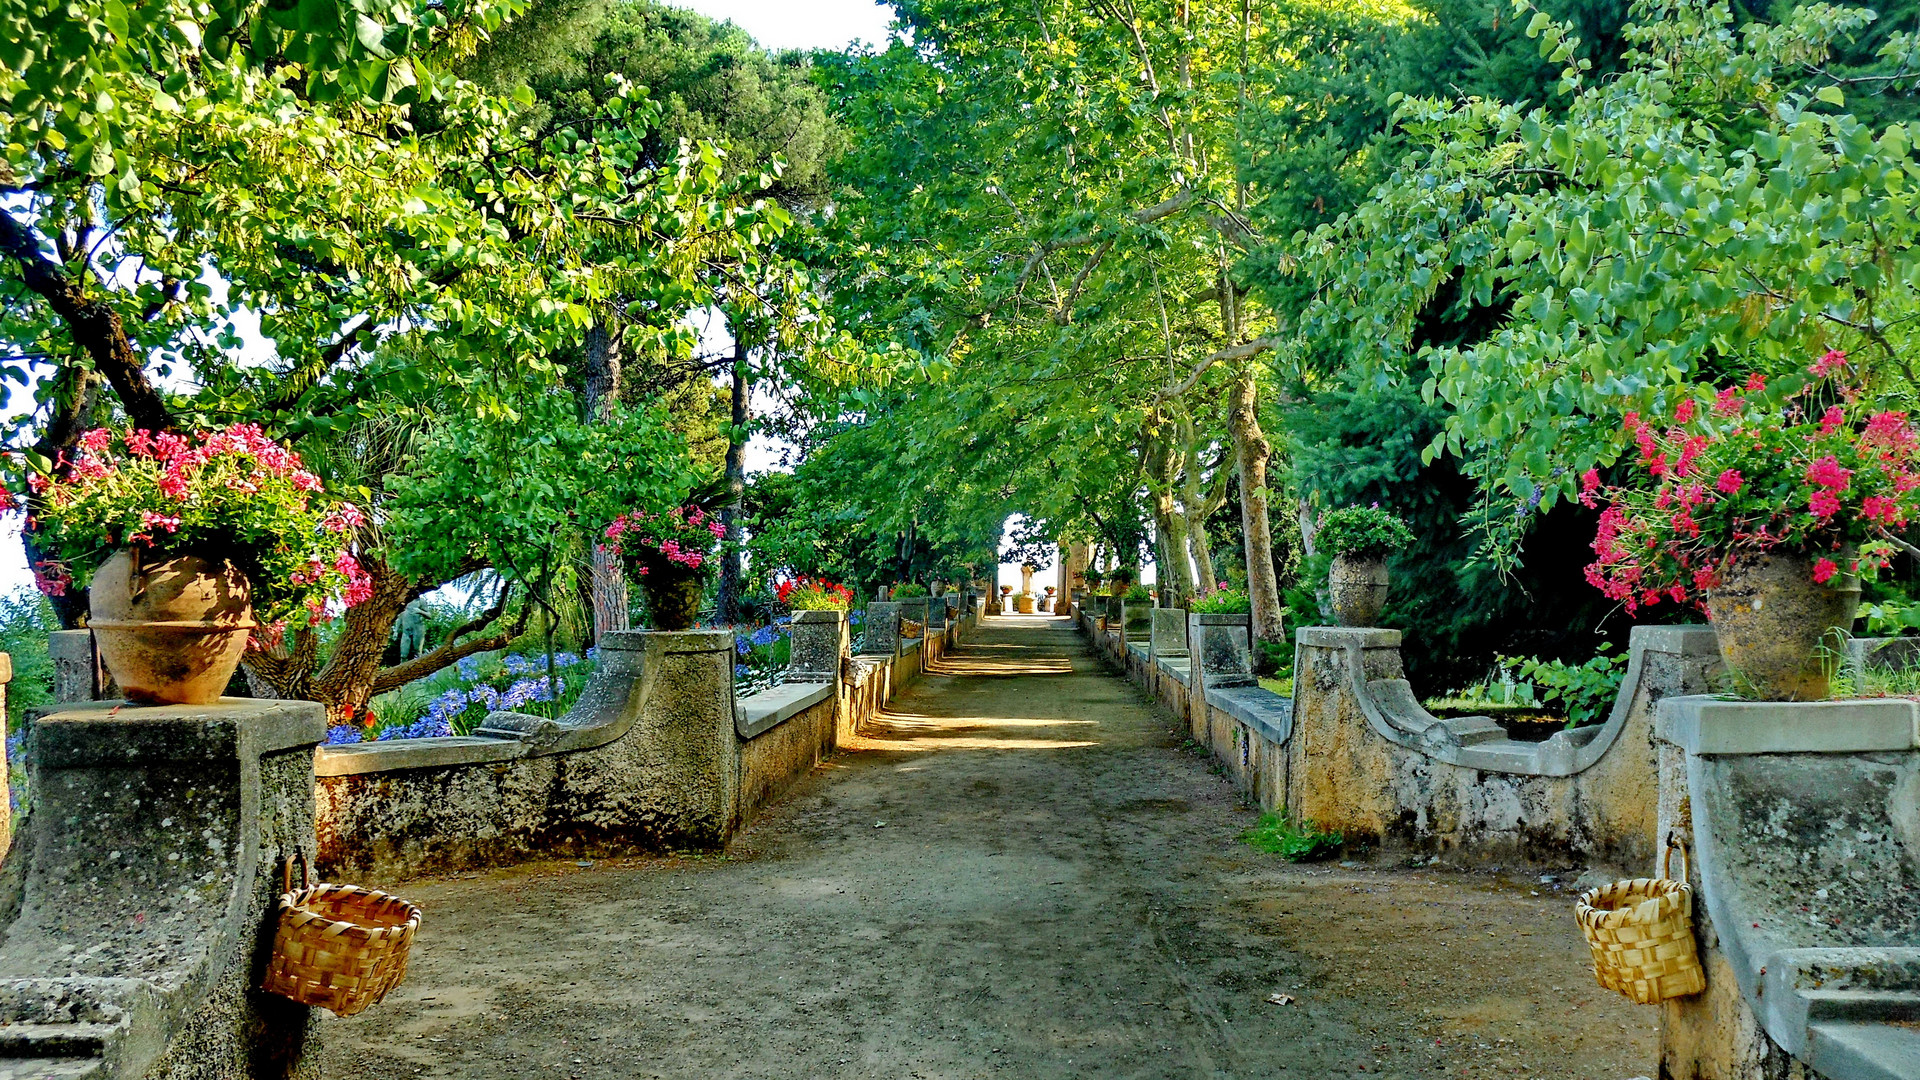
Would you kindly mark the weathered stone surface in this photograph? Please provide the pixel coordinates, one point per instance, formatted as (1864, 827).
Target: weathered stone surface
(646, 760)
(1808, 872)
(76, 674)
(1221, 648)
(883, 629)
(138, 898)
(1169, 632)
(1709, 725)
(819, 641)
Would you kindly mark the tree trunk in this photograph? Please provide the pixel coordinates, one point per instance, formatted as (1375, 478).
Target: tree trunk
(732, 515)
(1251, 454)
(1169, 524)
(1204, 575)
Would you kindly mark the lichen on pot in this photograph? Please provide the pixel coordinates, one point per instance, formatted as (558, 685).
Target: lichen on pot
(1780, 631)
(171, 628)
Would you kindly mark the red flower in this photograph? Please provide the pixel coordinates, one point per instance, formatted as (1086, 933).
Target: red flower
(1729, 482)
(1829, 363)
(1756, 382)
(1828, 473)
(1683, 412)
(1726, 402)
(1830, 422)
(1824, 570)
(1823, 504)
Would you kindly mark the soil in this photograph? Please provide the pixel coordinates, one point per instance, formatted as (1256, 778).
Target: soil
(1022, 871)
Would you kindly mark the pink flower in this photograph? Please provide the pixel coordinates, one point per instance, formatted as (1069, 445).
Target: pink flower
(1881, 509)
(1823, 504)
(149, 519)
(1631, 422)
(97, 441)
(173, 485)
(1729, 482)
(1829, 363)
(1726, 402)
(1828, 474)
(1831, 420)
(1683, 412)
(1824, 570)
(1756, 382)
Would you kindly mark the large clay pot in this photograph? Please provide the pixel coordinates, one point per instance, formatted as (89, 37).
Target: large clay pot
(673, 594)
(170, 628)
(1780, 632)
(1357, 590)
(1023, 603)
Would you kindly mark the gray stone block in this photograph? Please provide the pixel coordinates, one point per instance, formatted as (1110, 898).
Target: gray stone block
(1221, 647)
(819, 641)
(883, 628)
(1711, 725)
(1169, 632)
(151, 865)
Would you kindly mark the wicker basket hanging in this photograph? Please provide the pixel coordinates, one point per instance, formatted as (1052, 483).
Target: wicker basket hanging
(340, 947)
(1641, 933)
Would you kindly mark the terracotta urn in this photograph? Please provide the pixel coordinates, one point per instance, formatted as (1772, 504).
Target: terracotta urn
(673, 593)
(170, 628)
(1357, 590)
(1781, 633)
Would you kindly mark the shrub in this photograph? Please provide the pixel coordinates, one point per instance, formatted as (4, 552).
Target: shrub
(909, 590)
(1362, 532)
(1278, 834)
(1222, 602)
(1891, 618)
(1583, 691)
(1137, 593)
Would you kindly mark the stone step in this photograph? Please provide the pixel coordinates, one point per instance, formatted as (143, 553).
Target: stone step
(51, 1068)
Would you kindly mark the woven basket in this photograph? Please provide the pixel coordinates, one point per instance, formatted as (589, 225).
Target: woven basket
(1641, 934)
(340, 947)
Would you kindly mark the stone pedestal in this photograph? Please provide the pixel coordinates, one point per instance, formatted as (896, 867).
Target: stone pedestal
(144, 892)
(1169, 636)
(1804, 822)
(819, 642)
(883, 628)
(1136, 618)
(1220, 651)
(1115, 611)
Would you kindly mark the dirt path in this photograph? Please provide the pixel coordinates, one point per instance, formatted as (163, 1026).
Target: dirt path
(1022, 874)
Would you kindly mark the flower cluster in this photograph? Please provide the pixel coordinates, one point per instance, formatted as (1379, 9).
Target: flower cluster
(233, 494)
(684, 538)
(1811, 471)
(811, 594)
(510, 682)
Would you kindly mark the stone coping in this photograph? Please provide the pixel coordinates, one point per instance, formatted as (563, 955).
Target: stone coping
(766, 710)
(118, 733)
(1476, 742)
(908, 645)
(1804, 865)
(1714, 725)
(1178, 672)
(1267, 713)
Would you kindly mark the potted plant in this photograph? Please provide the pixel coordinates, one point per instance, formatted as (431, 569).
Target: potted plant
(1360, 538)
(1121, 579)
(189, 544)
(671, 554)
(1762, 506)
(1093, 576)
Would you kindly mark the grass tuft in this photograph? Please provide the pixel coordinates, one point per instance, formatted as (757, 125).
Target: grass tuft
(1277, 834)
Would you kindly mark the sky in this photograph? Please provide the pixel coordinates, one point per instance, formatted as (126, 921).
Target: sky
(802, 24)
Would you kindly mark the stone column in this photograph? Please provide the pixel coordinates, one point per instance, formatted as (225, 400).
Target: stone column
(883, 628)
(76, 666)
(144, 894)
(819, 643)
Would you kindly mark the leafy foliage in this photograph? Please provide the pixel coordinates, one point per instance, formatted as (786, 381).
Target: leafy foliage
(1278, 834)
(1362, 532)
(1221, 602)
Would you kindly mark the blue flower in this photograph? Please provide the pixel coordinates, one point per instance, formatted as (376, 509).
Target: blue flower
(337, 735)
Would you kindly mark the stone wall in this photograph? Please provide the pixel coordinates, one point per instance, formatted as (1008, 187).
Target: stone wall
(1353, 751)
(657, 754)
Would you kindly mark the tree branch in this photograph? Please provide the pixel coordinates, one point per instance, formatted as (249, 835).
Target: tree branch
(453, 650)
(95, 325)
(1230, 353)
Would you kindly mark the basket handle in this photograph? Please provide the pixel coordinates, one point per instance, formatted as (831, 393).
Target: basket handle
(1666, 860)
(286, 871)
